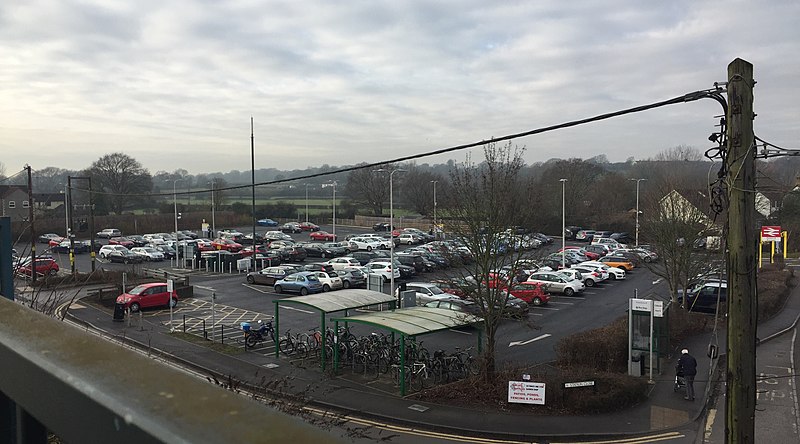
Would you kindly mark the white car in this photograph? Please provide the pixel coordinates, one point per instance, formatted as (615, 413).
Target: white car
(364, 243)
(108, 233)
(557, 282)
(105, 250)
(277, 235)
(614, 273)
(341, 263)
(426, 292)
(409, 238)
(384, 269)
(148, 253)
(611, 243)
(591, 275)
(330, 280)
(385, 243)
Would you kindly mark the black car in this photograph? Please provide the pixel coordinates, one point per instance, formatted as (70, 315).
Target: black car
(318, 267)
(338, 248)
(317, 250)
(166, 250)
(363, 256)
(291, 227)
(543, 238)
(138, 240)
(419, 263)
(382, 226)
(292, 254)
(124, 257)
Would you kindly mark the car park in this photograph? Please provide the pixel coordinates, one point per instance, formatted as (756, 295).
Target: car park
(304, 282)
(108, 233)
(266, 222)
(148, 253)
(322, 236)
(146, 296)
(555, 282)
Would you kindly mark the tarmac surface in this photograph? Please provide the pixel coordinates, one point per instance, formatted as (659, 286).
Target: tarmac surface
(664, 417)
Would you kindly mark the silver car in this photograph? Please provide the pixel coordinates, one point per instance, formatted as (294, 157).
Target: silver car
(556, 282)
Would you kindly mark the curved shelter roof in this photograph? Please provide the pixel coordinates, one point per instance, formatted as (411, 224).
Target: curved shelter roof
(414, 321)
(345, 299)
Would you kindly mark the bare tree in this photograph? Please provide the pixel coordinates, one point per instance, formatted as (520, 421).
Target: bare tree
(417, 191)
(483, 201)
(120, 175)
(366, 187)
(680, 152)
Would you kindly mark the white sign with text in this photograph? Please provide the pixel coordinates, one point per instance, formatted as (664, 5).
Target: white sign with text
(526, 392)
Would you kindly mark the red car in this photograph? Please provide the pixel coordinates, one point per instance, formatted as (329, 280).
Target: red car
(124, 241)
(322, 236)
(589, 255)
(308, 226)
(148, 295)
(530, 292)
(56, 241)
(226, 244)
(42, 266)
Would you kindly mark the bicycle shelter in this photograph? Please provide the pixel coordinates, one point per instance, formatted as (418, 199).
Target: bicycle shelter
(410, 322)
(331, 302)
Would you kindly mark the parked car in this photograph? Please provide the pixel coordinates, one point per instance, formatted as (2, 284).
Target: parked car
(308, 226)
(322, 236)
(584, 235)
(590, 276)
(42, 266)
(516, 308)
(461, 305)
(316, 250)
(148, 253)
(599, 250)
(330, 280)
(166, 250)
(416, 261)
(352, 277)
(227, 245)
(337, 248)
(47, 237)
(266, 222)
(138, 240)
(317, 267)
(617, 261)
(342, 263)
(363, 257)
(291, 227)
(531, 292)
(79, 247)
(148, 295)
(125, 242)
(555, 282)
(384, 269)
(304, 282)
(292, 254)
(703, 297)
(105, 250)
(409, 238)
(364, 243)
(108, 233)
(614, 273)
(124, 256)
(270, 275)
(382, 226)
(426, 292)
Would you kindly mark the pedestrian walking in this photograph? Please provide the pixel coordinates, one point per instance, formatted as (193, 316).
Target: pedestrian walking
(687, 365)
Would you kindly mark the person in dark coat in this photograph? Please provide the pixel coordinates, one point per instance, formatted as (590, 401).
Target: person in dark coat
(688, 366)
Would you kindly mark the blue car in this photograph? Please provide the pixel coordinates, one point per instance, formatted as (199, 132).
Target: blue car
(267, 223)
(304, 282)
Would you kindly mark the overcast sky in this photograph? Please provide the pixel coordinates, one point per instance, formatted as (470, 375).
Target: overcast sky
(174, 83)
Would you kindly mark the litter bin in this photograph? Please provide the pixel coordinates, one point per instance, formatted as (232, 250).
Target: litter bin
(119, 312)
(636, 366)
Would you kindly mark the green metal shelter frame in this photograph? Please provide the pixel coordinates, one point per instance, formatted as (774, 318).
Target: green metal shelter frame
(331, 302)
(410, 322)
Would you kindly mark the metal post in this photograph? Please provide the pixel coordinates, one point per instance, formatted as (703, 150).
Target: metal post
(71, 229)
(652, 321)
(91, 226)
(637, 208)
(66, 210)
(213, 203)
(213, 313)
(307, 204)
(175, 202)
(253, 186)
(435, 225)
(563, 224)
(334, 211)
(33, 231)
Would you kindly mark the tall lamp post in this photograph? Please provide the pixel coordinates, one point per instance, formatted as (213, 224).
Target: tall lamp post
(175, 202)
(435, 226)
(563, 224)
(637, 208)
(334, 210)
(307, 203)
(391, 227)
(213, 204)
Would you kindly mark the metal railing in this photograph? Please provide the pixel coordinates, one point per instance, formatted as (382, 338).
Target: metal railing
(85, 389)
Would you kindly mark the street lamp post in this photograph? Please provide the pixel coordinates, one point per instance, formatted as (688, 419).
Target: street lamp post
(213, 211)
(391, 228)
(435, 226)
(175, 203)
(637, 208)
(307, 203)
(334, 210)
(563, 224)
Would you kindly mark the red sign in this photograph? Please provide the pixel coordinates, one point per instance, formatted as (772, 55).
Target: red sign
(770, 233)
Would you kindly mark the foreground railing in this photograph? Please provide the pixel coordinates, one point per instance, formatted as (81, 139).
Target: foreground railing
(84, 389)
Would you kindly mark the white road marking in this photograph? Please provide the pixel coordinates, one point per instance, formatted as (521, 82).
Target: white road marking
(513, 343)
(657, 281)
(462, 332)
(253, 287)
(296, 309)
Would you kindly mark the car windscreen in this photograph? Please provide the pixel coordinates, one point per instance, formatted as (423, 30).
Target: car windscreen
(138, 290)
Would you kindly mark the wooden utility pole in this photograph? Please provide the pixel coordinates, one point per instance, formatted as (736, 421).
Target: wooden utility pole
(741, 263)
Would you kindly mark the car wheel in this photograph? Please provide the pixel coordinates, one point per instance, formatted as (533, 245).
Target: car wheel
(303, 291)
(278, 289)
(648, 259)
(589, 283)
(612, 276)
(251, 280)
(346, 284)
(385, 279)
(326, 287)
(134, 307)
(172, 302)
(323, 255)
(568, 291)
(369, 248)
(537, 301)
(126, 261)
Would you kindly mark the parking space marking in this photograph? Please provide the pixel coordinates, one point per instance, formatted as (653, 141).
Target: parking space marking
(562, 303)
(547, 308)
(296, 309)
(256, 288)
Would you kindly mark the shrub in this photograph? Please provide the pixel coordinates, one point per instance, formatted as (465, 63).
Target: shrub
(603, 349)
